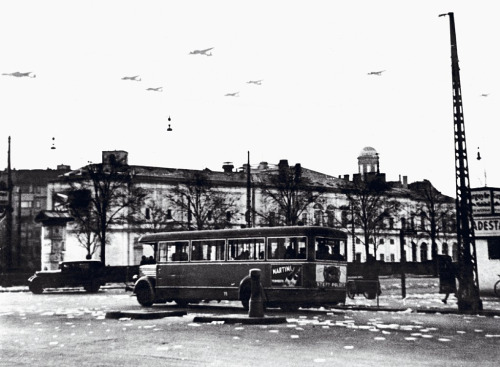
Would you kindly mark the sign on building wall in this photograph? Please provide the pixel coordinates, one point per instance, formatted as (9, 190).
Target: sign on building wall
(485, 202)
(487, 227)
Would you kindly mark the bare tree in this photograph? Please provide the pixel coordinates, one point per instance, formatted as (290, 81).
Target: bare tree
(205, 206)
(435, 208)
(371, 206)
(290, 192)
(114, 197)
(78, 202)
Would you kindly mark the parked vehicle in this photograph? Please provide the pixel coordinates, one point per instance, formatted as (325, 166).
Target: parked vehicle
(301, 266)
(89, 274)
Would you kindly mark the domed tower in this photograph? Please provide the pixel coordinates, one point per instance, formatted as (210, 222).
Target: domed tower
(368, 161)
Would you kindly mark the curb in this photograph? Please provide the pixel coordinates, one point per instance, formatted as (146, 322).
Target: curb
(143, 315)
(242, 320)
(491, 313)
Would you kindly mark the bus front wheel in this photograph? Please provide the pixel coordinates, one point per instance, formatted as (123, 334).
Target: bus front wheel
(144, 293)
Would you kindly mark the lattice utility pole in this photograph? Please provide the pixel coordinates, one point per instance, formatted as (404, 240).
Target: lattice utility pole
(468, 289)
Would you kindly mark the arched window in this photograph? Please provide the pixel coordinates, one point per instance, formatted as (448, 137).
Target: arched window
(413, 251)
(444, 249)
(423, 252)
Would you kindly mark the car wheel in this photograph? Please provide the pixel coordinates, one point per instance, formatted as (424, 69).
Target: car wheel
(144, 293)
(36, 287)
(93, 287)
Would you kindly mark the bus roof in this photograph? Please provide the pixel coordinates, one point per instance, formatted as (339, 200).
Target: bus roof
(244, 232)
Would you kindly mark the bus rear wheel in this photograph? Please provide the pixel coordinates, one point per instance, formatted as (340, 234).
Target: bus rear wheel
(144, 293)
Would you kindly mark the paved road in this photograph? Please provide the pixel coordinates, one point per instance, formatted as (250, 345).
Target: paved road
(71, 328)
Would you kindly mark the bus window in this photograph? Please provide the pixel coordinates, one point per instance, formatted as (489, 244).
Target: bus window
(173, 251)
(286, 248)
(212, 250)
(246, 249)
(329, 249)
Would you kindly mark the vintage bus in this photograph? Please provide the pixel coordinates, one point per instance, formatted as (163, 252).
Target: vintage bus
(301, 266)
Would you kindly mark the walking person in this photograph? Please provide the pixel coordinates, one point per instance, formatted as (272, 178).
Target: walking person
(447, 275)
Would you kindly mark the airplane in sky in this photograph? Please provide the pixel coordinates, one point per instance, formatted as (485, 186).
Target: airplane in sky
(235, 94)
(159, 89)
(202, 52)
(378, 73)
(485, 95)
(256, 82)
(136, 78)
(18, 74)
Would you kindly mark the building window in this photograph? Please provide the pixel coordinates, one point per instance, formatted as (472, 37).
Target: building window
(444, 249)
(272, 219)
(391, 223)
(423, 252)
(494, 248)
(358, 241)
(455, 252)
(391, 241)
(381, 241)
(344, 218)
(318, 215)
(422, 222)
(381, 257)
(148, 213)
(330, 215)
(26, 204)
(393, 258)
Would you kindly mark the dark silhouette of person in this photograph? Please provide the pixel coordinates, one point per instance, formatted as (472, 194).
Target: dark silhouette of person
(280, 251)
(336, 255)
(179, 255)
(447, 275)
(144, 260)
(323, 252)
(290, 252)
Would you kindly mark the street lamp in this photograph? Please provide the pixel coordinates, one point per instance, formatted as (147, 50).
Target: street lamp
(169, 128)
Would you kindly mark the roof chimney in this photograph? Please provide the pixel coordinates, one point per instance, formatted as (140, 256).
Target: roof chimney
(228, 167)
(263, 165)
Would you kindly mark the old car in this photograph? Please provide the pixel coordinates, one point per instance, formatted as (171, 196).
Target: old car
(89, 274)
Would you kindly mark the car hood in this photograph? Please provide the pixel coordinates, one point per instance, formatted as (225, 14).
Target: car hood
(48, 272)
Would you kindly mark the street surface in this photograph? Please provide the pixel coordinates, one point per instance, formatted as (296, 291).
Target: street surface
(71, 328)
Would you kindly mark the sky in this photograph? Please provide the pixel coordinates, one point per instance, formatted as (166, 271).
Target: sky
(316, 105)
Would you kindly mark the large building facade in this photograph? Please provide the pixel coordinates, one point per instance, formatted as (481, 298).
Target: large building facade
(21, 243)
(245, 186)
